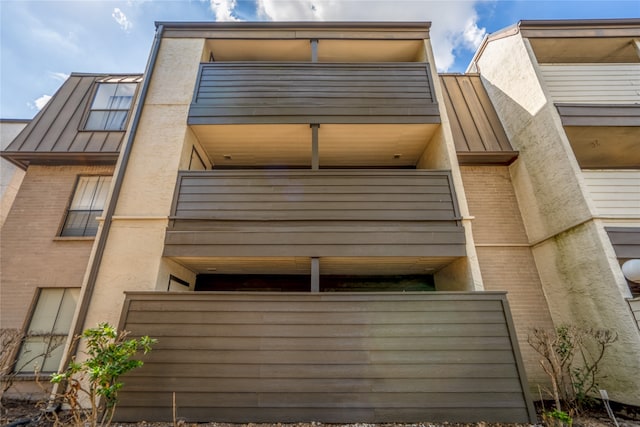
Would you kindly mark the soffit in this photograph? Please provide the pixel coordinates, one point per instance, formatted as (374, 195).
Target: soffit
(605, 146)
(345, 50)
(584, 50)
(340, 145)
(302, 265)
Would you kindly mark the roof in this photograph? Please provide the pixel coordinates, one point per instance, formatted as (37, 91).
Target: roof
(478, 134)
(54, 136)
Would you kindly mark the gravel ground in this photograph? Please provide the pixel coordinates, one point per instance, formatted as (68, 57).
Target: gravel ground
(13, 411)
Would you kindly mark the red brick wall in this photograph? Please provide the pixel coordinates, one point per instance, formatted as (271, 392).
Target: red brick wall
(506, 260)
(31, 255)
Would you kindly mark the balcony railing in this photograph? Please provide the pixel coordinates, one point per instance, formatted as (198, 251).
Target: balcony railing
(330, 357)
(305, 92)
(315, 213)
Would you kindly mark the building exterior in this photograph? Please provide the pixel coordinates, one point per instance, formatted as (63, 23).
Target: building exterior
(68, 161)
(567, 94)
(316, 226)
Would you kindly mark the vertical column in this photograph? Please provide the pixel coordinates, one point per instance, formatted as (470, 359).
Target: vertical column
(314, 50)
(315, 157)
(315, 274)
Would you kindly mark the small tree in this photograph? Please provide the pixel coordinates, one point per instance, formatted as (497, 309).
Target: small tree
(110, 355)
(571, 358)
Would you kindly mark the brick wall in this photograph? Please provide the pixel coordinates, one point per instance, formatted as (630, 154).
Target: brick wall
(31, 255)
(506, 260)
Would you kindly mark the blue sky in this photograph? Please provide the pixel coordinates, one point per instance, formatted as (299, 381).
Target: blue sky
(41, 42)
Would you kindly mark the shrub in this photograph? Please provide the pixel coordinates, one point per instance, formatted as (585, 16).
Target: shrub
(110, 355)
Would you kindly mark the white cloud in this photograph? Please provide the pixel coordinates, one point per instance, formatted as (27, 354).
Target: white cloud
(122, 20)
(40, 102)
(473, 35)
(58, 76)
(454, 22)
(223, 9)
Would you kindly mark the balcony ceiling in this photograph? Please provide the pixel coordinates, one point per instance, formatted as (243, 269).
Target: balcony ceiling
(340, 145)
(585, 50)
(605, 146)
(328, 50)
(302, 265)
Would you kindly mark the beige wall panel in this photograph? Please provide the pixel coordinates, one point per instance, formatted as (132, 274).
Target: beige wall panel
(169, 267)
(155, 158)
(582, 289)
(131, 261)
(32, 255)
(175, 71)
(463, 274)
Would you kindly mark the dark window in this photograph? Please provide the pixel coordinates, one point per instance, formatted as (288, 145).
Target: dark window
(87, 204)
(110, 106)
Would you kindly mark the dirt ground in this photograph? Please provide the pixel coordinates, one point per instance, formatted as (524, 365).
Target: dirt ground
(28, 414)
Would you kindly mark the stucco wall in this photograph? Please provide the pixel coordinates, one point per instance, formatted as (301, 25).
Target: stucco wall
(580, 281)
(32, 255)
(463, 274)
(132, 259)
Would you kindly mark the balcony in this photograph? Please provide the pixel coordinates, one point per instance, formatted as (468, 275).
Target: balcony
(599, 105)
(358, 214)
(306, 92)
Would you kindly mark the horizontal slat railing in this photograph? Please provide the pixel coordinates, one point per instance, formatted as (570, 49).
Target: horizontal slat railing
(315, 213)
(593, 83)
(305, 92)
(287, 357)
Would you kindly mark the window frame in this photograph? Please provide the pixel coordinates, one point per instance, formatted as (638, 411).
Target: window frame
(89, 108)
(69, 210)
(17, 352)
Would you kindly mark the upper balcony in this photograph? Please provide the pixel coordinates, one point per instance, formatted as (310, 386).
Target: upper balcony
(312, 92)
(591, 71)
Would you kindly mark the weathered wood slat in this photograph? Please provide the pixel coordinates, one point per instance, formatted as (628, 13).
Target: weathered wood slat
(264, 305)
(330, 415)
(420, 371)
(322, 344)
(340, 385)
(307, 197)
(301, 318)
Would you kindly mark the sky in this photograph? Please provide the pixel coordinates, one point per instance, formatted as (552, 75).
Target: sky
(42, 42)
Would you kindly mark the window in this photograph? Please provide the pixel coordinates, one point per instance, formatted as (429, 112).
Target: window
(48, 329)
(110, 106)
(87, 204)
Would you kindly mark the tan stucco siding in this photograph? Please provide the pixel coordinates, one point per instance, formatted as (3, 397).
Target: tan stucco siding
(132, 259)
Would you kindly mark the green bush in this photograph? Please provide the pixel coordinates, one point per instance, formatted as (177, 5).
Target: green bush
(110, 355)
